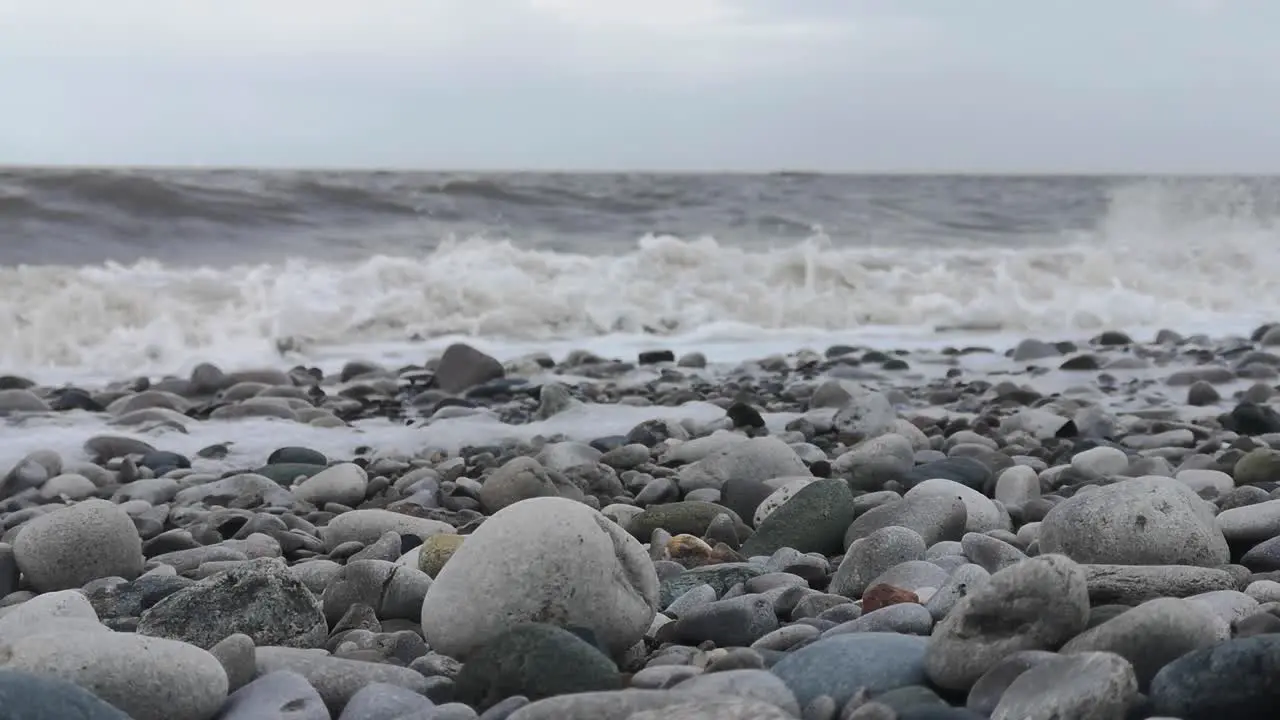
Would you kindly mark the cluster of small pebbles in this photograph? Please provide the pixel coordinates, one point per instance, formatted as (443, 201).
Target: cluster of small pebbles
(850, 539)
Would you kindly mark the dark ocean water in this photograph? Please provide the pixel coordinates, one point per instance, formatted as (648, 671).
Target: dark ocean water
(221, 217)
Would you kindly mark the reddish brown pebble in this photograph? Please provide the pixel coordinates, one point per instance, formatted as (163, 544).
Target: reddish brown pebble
(878, 596)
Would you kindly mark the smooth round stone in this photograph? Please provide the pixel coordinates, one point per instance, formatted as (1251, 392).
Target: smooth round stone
(1101, 461)
(337, 679)
(69, 547)
(1140, 521)
(1252, 523)
(345, 484)
(280, 695)
(985, 694)
(1234, 679)
(981, 513)
(538, 560)
(291, 455)
(377, 701)
(840, 666)
(733, 622)
(286, 473)
(368, 526)
(1037, 604)
(1084, 685)
(148, 678)
(1150, 635)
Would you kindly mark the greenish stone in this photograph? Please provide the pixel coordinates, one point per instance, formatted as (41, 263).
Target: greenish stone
(537, 661)
(814, 520)
(688, 517)
(721, 577)
(1258, 466)
(286, 473)
(436, 551)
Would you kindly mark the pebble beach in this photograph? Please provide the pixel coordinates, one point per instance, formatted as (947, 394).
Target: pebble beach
(1046, 530)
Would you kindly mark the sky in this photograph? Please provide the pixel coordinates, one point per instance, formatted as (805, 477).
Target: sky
(738, 85)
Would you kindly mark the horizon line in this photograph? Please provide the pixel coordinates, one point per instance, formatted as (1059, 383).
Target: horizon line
(495, 170)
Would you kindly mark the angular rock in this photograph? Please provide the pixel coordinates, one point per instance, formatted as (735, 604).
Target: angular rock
(814, 520)
(259, 598)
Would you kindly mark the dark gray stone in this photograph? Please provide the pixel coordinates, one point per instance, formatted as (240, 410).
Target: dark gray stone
(813, 520)
(1234, 679)
(260, 598)
(535, 661)
(734, 622)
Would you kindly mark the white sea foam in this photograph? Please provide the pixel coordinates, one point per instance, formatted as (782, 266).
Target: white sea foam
(252, 440)
(1157, 260)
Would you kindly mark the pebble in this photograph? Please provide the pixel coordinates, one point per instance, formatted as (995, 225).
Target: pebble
(69, 547)
(1037, 604)
(542, 560)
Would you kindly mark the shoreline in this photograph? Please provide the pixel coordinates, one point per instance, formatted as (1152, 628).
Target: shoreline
(793, 532)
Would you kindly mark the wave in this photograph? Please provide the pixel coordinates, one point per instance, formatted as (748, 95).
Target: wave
(1160, 253)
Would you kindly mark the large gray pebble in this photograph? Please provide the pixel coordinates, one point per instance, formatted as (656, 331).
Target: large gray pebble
(73, 545)
(872, 555)
(542, 560)
(1035, 605)
(1140, 521)
(1150, 635)
(367, 526)
(148, 678)
(345, 484)
(1094, 685)
(841, 666)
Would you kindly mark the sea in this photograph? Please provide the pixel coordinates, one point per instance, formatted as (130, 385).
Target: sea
(116, 273)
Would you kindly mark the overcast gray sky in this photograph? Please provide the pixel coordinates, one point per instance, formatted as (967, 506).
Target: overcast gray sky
(913, 85)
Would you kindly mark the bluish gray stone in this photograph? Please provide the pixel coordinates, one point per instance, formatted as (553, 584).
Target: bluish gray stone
(28, 696)
(380, 701)
(279, 695)
(1234, 679)
(840, 666)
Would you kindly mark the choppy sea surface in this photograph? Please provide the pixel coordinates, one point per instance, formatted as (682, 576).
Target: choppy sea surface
(112, 273)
